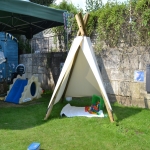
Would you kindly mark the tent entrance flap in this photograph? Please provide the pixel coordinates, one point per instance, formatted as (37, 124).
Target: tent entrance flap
(82, 81)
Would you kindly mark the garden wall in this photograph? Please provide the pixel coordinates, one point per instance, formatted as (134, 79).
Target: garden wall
(46, 66)
(119, 67)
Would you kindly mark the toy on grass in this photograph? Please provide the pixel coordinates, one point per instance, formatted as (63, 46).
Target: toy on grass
(24, 90)
(97, 105)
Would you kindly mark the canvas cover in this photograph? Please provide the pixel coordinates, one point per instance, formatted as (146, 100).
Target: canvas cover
(28, 18)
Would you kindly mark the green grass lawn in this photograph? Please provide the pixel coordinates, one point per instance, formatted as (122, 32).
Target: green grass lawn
(20, 126)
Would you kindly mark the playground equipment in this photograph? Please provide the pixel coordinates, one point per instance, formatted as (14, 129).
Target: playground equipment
(23, 90)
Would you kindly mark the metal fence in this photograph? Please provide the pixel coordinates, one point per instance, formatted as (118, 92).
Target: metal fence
(48, 44)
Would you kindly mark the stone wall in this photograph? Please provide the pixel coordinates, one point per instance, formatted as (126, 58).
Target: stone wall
(46, 66)
(118, 66)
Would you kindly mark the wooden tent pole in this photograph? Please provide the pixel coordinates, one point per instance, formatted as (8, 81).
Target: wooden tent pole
(80, 23)
(49, 110)
(85, 20)
(108, 109)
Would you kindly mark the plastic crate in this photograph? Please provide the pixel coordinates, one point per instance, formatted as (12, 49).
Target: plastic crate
(34, 146)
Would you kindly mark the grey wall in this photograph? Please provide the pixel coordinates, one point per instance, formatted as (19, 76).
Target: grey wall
(117, 67)
(46, 66)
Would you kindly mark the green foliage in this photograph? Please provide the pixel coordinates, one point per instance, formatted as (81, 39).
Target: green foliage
(24, 46)
(43, 2)
(110, 21)
(92, 5)
(141, 13)
(73, 28)
(70, 8)
(115, 22)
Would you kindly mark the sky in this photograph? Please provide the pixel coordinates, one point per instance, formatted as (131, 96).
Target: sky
(81, 3)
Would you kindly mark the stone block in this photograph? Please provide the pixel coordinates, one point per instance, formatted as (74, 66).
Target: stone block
(46, 81)
(143, 92)
(29, 75)
(144, 60)
(131, 50)
(124, 89)
(34, 61)
(147, 96)
(29, 61)
(111, 87)
(115, 87)
(41, 61)
(127, 75)
(116, 75)
(34, 69)
(111, 63)
(140, 50)
(108, 87)
(23, 60)
(112, 98)
(135, 90)
(29, 69)
(132, 76)
(138, 102)
(124, 100)
(132, 61)
(105, 74)
(125, 61)
(41, 70)
(147, 103)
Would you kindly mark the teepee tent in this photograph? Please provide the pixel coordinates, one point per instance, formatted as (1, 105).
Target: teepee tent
(80, 75)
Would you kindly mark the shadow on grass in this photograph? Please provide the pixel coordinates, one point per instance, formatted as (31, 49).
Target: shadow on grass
(122, 112)
(24, 116)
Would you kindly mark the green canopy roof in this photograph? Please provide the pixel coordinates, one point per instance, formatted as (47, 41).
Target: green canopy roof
(27, 18)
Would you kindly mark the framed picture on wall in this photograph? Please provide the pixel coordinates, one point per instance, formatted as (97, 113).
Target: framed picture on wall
(138, 76)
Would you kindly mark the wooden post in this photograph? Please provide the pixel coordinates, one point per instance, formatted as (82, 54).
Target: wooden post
(85, 20)
(80, 23)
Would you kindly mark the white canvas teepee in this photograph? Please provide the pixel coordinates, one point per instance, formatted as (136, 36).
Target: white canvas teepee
(80, 75)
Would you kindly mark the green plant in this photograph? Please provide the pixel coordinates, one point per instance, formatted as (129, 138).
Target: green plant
(110, 22)
(113, 22)
(43, 2)
(69, 31)
(92, 5)
(24, 45)
(142, 13)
